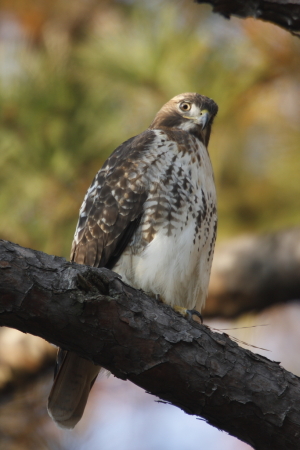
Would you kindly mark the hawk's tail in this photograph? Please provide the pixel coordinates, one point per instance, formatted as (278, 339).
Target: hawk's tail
(71, 389)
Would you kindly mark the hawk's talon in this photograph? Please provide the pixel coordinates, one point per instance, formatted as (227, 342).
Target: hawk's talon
(193, 312)
(188, 313)
(158, 297)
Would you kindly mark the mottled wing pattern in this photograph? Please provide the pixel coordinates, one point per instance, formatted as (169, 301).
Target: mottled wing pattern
(113, 206)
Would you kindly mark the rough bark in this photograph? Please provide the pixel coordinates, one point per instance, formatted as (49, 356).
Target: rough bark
(285, 13)
(251, 273)
(90, 311)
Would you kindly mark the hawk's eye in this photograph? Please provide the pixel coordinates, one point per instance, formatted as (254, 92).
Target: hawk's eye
(185, 106)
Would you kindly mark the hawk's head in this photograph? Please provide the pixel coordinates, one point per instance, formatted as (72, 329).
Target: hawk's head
(190, 112)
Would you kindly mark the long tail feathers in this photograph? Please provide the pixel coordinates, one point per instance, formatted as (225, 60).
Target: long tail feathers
(71, 389)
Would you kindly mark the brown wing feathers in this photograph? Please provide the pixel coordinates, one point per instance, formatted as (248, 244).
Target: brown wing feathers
(109, 216)
(112, 208)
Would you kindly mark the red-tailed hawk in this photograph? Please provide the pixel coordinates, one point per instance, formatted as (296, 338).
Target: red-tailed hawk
(150, 215)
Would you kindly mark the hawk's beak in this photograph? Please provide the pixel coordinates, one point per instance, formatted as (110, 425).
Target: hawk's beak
(203, 119)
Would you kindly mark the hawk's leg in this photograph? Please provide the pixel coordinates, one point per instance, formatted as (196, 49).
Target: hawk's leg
(187, 313)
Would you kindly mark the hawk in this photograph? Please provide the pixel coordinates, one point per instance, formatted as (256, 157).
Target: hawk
(149, 215)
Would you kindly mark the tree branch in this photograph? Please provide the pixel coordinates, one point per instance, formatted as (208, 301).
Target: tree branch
(90, 311)
(285, 13)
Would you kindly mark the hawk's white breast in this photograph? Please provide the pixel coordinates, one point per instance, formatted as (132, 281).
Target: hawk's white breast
(171, 252)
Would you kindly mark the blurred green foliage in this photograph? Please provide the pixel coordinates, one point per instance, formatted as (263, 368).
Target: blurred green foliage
(75, 96)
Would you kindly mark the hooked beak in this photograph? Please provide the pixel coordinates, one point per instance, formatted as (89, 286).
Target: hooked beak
(203, 119)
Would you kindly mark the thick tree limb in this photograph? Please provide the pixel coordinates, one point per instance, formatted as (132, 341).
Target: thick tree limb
(90, 311)
(251, 273)
(285, 13)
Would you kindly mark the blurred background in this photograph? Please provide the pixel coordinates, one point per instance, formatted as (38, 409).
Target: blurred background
(76, 80)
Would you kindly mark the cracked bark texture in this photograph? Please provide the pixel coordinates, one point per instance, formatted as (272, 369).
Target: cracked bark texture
(285, 13)
(90, 311)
